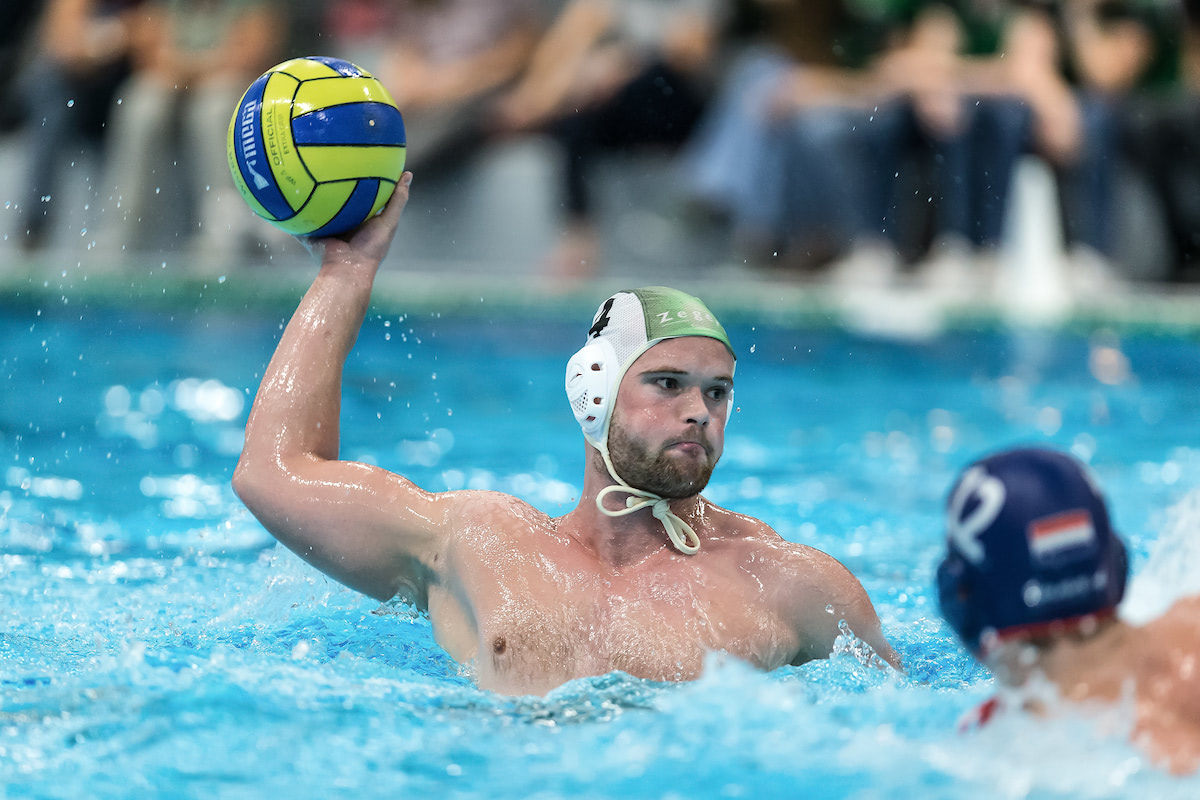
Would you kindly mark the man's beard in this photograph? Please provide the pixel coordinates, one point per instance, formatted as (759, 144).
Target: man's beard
(658, 473)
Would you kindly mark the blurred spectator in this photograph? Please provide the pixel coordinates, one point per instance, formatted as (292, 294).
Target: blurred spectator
(192, 60)
(16, 22)
(306, 29)
(610, 76)
(70, 86)
(1161, 128)
(1048, 80)
(973, 135)
(863, 137)
(361, 30)
(796, 149)
(447, 62)
(1105, 49)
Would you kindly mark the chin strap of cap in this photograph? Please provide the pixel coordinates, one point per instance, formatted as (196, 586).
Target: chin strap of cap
(681, 534)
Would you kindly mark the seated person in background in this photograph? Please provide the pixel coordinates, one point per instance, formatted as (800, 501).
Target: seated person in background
(1031, 583)
(832, 117)
(1159, 126)
(69, 89)
(445, 63)
(612, 76)
(795, 150)
(644, 576)
(192, 61)
(1099, 54)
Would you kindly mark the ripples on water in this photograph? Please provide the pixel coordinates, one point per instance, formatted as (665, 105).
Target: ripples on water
(155, 641)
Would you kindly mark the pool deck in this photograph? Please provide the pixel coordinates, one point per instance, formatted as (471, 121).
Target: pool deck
(902, 309)
(473, 245)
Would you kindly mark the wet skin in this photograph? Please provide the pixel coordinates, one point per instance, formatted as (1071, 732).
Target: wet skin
(532, 601)
(1157, 664)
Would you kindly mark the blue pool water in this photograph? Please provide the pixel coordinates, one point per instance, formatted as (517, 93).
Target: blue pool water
(154, 641)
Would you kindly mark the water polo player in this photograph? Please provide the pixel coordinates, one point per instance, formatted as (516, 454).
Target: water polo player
(1031, 581)
(644, 575)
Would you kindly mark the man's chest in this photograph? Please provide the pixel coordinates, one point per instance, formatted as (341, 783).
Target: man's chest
(537, 632)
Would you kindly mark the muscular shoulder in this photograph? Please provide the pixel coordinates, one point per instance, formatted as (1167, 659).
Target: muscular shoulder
(491, 517)
(758, 540)
(1179, 623)
(808, 574)
(1187, 608)
(796, 576)
(730, 527)
(811, 589)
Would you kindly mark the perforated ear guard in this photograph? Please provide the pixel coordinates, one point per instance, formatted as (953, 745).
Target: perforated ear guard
(591, 373)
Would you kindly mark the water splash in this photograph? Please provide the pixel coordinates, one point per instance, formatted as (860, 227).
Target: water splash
(847, 643)
(1173, 568)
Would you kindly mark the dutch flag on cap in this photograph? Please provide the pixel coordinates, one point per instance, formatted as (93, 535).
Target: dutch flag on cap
(1059, 536)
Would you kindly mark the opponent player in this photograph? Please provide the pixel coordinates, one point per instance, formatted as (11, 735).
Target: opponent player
(1031, 582)
(645, 575)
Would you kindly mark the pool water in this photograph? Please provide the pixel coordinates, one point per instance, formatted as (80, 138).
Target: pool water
(154, 641)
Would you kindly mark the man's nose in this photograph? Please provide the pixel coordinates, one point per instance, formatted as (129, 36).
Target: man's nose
(695, 407)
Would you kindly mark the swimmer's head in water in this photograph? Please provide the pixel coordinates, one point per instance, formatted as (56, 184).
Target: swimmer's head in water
(626, 325)
(1029, 548)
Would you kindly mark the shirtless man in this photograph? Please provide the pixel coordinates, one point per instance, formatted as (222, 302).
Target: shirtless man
(643, 576)
(1030, 583)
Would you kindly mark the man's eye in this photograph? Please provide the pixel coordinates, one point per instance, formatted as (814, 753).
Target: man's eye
(667, 383)
(718, 393)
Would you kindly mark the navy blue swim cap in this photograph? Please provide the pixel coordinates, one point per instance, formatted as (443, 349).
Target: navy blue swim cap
(1028, 545)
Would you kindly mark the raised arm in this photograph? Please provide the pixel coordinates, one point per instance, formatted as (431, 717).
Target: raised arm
(366, 527)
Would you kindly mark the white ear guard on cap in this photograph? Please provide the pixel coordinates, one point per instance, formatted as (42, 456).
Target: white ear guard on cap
(590, 377)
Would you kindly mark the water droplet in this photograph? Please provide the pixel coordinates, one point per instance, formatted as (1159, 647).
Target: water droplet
(829, 609)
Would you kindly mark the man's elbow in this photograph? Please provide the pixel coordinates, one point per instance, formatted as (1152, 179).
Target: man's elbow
(269, 485)
(251, 483)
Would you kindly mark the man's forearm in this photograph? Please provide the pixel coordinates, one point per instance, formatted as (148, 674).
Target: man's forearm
(296, 411)
(299, 402)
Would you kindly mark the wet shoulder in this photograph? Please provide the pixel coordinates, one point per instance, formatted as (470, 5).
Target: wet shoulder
(755, 535)
(493, 519)
(1170, 660)
(723, 525)
(803, 574)
(1180, 622)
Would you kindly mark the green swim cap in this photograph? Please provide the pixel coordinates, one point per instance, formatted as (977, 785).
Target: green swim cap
(626, 325)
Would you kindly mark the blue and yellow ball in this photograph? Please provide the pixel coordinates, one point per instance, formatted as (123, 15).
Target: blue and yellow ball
(316, 146)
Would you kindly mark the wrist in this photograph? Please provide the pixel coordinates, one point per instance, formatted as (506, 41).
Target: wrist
(349, 269)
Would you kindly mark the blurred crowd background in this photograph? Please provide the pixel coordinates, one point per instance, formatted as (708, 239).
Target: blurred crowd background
(851, 140)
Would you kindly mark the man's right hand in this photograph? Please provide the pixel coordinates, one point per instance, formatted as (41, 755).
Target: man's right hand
(367, 244)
